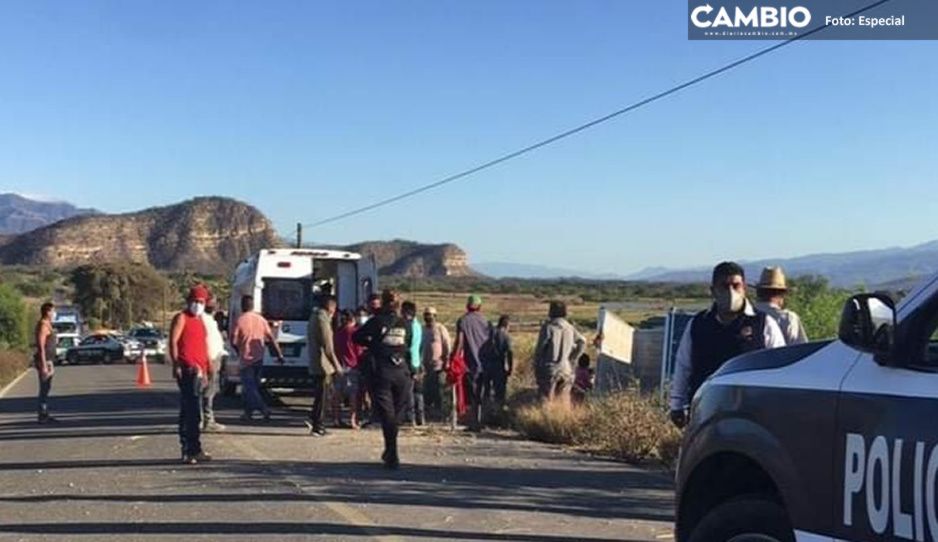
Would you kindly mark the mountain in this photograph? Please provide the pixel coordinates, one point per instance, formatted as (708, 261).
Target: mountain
(204, 235)
(409, 258)
(19, 214)
(865, 267)
(532, 271)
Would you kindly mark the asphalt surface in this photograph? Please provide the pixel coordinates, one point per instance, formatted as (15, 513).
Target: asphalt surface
(110, 471)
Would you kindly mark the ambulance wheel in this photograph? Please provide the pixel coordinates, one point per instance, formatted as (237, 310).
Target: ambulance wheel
(751, 518)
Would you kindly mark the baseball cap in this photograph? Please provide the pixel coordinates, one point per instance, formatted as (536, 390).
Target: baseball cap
(198, 293)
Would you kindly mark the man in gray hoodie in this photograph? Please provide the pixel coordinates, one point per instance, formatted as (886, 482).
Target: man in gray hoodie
(559, 345)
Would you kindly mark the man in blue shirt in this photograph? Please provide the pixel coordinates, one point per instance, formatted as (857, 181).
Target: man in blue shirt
(415, 405)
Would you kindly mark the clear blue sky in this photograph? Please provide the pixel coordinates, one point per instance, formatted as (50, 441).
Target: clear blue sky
(306, 109)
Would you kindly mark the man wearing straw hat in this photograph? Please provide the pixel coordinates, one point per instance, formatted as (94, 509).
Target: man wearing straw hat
(770, 297)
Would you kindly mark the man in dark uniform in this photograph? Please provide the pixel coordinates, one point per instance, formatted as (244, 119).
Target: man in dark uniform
(730, 327)
(388, 337)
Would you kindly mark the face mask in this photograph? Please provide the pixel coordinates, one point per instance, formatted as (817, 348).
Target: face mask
(196, 308)
(362, 320)
(52, 316)
(729, 300)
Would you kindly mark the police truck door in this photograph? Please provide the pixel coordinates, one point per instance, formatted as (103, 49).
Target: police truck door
(886, 458)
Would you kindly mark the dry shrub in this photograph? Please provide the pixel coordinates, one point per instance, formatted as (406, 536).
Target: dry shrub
(12, 363)
(551, 422)
(626, 425)
(630, 426)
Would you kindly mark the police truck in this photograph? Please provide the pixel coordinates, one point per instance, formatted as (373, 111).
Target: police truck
(833, 440)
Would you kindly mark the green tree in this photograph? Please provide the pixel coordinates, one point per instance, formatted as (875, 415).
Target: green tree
(818, 305)
(119, 294)
(13, 332)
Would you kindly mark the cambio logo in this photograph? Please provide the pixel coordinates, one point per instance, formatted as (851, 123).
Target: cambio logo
(757, 17)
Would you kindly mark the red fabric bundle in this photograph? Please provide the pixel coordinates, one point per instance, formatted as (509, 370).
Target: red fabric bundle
(456, 377)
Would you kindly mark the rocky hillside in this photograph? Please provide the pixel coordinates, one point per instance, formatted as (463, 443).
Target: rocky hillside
(409, 258)
(19, 214)
(204, 235)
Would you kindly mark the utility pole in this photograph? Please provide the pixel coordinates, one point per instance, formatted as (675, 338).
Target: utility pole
(299, 235)
(163, 319)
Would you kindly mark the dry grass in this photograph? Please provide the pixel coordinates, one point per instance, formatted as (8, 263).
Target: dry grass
(12, 363)
(630, 426)
(625, 425)
(551, 422)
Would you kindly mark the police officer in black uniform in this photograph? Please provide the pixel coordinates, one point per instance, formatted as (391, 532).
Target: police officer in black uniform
(730, 327)
(388, 336)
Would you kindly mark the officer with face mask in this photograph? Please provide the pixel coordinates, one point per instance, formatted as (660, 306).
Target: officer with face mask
(730, 327)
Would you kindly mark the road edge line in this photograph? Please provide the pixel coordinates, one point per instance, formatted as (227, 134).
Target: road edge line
(14, 382)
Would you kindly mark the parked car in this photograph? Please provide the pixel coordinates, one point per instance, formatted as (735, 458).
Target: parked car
(62, 345)
(133, 349)
(153, 341)
(96, 348)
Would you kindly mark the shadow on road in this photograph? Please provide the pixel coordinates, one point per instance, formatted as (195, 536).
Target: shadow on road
(605, 494)
(106, 401)
(285, 528)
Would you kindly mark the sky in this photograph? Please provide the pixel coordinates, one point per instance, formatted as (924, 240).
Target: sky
(307, 109)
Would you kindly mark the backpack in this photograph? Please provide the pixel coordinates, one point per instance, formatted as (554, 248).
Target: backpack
(490, 355)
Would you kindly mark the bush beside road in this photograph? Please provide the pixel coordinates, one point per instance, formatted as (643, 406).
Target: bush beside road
(12, 364)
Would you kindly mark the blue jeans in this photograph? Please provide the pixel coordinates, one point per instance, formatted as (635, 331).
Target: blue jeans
(190, 412)
(45, 386)
(251, 389)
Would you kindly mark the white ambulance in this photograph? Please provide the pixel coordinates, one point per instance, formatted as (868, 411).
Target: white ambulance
(286, 284)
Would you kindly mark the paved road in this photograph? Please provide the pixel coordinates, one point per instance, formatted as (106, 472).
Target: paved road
(109, 471)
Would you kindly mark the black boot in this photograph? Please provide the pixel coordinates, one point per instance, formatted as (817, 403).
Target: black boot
(391, 460)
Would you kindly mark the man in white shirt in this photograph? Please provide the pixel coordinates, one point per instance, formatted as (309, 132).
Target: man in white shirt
(770, 299)
(216, 350)
(729, 328)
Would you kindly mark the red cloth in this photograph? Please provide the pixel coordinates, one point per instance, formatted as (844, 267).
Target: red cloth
(456, 376)
(193, 343)
(349, 353)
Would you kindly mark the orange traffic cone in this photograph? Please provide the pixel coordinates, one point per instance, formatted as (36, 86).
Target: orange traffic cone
(143, 373)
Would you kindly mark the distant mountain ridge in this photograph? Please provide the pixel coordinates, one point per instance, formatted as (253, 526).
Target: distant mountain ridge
(863, 267)
(19, 214)
(534, 271)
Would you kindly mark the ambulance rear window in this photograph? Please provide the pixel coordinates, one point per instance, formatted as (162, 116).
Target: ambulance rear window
(287, 299)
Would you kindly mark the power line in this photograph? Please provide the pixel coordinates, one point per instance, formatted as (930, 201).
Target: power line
(587, 125)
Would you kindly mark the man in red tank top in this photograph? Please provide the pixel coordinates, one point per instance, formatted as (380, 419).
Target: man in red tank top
(188, 348)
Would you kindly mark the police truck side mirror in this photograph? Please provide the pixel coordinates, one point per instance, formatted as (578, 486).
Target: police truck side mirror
(868, 323)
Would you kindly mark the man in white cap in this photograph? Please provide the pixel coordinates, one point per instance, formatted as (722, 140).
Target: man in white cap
(770, 299)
